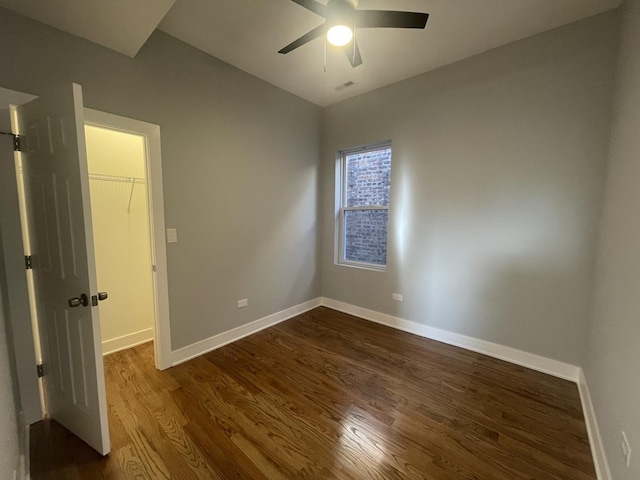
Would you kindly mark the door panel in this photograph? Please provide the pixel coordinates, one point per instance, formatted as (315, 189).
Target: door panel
(41, 223)
(63, 263)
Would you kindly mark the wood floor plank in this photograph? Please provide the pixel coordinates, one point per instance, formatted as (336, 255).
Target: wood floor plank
(306, 413)
(327, 396)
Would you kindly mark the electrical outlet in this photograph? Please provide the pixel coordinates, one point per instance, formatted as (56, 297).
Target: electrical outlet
(243, 303)
(397, 296)
(626, 449)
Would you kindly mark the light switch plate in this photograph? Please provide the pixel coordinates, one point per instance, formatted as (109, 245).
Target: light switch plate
(172, 235)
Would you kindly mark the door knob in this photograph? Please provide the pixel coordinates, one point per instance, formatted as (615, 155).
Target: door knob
(77, 301)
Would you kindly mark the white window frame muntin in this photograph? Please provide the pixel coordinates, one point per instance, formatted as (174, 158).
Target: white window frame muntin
(342, 200)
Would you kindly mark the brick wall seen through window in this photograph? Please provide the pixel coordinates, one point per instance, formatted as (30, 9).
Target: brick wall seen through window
(367, 175)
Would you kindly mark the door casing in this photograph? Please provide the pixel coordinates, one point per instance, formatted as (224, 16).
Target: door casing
(151, 134)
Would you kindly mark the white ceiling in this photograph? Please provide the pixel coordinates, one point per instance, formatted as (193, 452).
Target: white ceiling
(121, 25)
(248, 34)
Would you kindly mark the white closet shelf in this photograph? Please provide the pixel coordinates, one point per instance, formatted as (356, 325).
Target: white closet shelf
(115, 178)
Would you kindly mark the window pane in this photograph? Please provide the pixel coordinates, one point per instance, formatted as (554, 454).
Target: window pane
(366, 236)
(368, 178)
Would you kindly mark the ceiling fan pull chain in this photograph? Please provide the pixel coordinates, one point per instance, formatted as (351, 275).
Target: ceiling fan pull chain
(325, 54)
(355, 40)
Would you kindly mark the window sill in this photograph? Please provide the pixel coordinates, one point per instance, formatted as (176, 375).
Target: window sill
(362, 266)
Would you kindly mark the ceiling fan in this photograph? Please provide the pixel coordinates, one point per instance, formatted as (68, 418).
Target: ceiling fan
(341, 20)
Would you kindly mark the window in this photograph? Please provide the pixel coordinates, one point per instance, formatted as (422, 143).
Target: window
(364, 183)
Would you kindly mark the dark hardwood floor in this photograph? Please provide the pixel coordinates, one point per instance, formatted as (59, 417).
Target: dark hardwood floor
(327, 395)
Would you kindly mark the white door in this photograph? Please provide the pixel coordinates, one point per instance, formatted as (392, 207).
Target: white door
(57, 193)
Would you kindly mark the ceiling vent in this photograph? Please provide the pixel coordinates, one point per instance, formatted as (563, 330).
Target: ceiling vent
(345, 85)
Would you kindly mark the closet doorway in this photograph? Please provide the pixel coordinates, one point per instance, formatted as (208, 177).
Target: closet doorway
(125, 184)
(121, 236)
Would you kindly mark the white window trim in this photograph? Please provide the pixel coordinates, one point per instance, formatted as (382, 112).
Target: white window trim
(341, 200)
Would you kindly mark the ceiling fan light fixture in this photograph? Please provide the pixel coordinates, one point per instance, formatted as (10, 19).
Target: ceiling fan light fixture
(339, 35)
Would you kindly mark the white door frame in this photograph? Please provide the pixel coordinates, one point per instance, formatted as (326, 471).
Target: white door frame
(151, 133)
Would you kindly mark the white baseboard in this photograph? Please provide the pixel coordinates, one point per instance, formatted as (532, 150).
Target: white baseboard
(21, 471)
(207, 345)
(512, 355)
(595, 440)
(127, 341)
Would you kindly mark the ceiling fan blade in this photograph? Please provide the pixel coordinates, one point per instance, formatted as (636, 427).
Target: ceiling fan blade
(312, 5)
(353, 53)
(307, 37)
(389, 19)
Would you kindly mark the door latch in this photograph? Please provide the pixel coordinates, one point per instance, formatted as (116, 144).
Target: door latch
(101, 296)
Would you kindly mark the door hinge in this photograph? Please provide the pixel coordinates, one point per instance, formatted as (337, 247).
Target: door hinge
(16, 141)
(40, 370)
(28, 263)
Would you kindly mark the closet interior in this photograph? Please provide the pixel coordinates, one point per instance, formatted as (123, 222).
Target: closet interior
(121, 231)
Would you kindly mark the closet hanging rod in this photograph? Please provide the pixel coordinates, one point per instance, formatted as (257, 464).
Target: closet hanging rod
(116, 178)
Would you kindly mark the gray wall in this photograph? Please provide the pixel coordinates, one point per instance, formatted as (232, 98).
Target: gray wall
(612, 365)
(9, 438)
(497, 172)
(240, 161)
